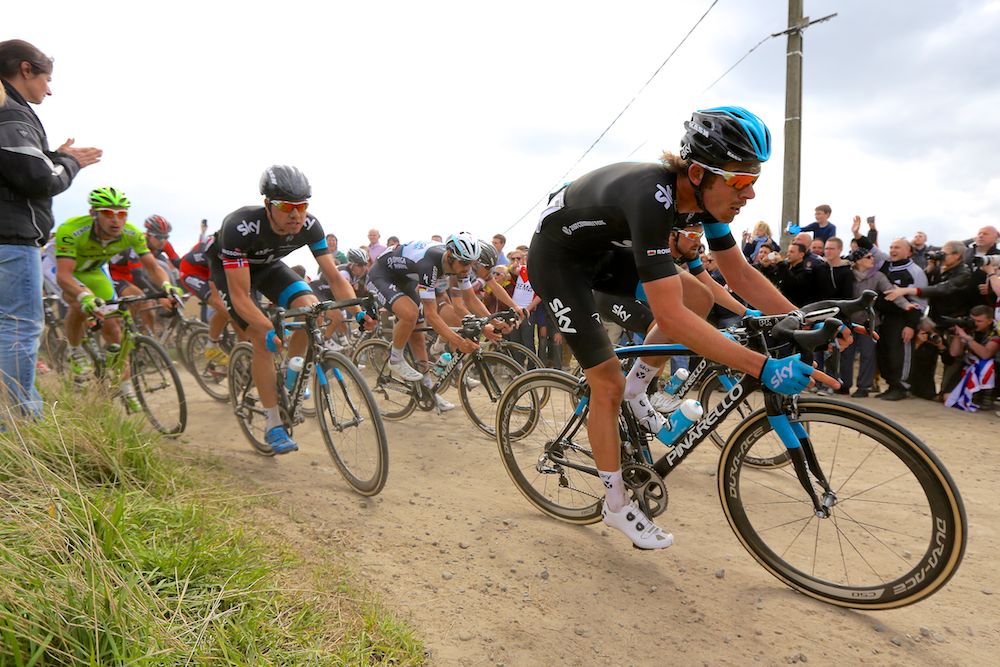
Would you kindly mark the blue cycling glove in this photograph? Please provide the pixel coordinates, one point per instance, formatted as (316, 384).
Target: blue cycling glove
(753, 312)
(269, 340)
(788, 375)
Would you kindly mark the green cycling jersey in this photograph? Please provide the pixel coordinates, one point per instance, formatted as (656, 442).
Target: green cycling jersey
(75, 239)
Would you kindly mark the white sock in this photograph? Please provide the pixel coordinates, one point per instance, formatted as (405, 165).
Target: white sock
(614, 490)
(211, 344)
(638, 378)
(272, 418)
(126, 388)
(428, 380)
(395, 355)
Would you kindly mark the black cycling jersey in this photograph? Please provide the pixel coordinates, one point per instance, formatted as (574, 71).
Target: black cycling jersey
(246, 239)
(627, 209)
(410, 270)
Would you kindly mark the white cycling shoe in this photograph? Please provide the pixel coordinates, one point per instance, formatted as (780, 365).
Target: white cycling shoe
(648, 418)
(664, 403)
(405, 372)
(637, 527)
(442, 404)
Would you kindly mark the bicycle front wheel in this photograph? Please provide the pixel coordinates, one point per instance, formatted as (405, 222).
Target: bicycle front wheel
(211, 374)
(481, 382)
(158, 386)
(394, 398)
(896, 530)
(250, 413)
(351, 425)
(545, 447)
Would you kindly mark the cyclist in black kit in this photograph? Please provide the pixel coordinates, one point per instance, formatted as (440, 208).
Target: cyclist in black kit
(635, 206)
(402, 280)
(246, 255)
(354, 271)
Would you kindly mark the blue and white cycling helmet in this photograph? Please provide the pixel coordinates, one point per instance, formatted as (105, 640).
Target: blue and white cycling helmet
(357, 256)
(464, 246)
(725, 134)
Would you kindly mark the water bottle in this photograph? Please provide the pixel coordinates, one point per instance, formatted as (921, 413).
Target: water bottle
(676, 380)
(689, 412)
(292, 373)
(442, 363)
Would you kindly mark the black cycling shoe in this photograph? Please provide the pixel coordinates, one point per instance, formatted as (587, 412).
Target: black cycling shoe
(893, 394)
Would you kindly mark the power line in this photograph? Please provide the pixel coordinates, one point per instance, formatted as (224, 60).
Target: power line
(734, 65)
(608, 128)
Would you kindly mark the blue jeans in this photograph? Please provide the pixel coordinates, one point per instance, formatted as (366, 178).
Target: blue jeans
(21, 319)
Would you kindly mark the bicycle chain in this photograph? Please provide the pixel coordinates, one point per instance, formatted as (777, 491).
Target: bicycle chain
(647, 486)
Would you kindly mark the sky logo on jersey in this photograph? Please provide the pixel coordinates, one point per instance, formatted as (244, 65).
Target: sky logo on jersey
(620, 312)
(561, 313)
(663, 196)
(247, 227)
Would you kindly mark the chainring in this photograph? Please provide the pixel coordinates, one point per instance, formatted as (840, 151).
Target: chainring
(647, 487)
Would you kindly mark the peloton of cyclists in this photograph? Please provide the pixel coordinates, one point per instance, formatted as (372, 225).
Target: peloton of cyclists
(635, 206)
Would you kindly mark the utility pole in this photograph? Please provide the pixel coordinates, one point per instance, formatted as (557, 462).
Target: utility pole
(793, 115)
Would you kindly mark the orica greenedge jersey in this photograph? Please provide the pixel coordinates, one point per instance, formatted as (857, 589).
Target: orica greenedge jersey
(75, 239)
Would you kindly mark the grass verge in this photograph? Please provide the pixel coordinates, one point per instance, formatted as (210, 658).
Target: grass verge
(112, 552)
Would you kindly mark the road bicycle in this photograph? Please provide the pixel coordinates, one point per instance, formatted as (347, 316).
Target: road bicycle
(211, 374)
(347, 417)
(481, 377)
(53, 347)
(866, 516)
(156, 382)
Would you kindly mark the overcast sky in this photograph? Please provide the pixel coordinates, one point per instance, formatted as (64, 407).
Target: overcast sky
(435, 117)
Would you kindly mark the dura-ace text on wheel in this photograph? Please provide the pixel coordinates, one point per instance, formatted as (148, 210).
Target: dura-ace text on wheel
(896, 527)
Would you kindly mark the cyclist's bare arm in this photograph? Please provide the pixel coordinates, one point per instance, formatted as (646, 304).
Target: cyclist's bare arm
(154, 269)
(473, 304)
(750, 283)
(721, 295)
(666, 298)
(71, 287)
(504, 298)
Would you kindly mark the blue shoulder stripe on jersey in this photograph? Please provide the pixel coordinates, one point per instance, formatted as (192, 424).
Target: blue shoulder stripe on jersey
(319, 245)
(295, 289)
(716, 230)
(694, 263)
(640, 293)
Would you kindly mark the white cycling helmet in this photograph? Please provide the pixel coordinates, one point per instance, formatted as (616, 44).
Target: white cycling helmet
(464, 246)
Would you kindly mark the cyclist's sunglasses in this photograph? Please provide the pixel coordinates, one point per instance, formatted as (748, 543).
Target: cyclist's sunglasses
(737, 180)
(289, 206)
(121, 214)
(690, 236)
(160, 237)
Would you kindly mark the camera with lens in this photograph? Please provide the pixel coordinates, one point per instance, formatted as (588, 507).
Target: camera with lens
(965, 323)
(936, 255)
(934, 337)
(992, 260)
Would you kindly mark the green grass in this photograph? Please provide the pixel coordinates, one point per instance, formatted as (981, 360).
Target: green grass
(113, 553)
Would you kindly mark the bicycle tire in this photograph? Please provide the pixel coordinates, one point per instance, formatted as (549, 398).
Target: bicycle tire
(186, 329)
(243, 396)
(54, 349)
(711, 391)
(532, 360)
(527, 433)
(211, 376)
(909, 544)
(394, 398)
(347, 411)
(158, 386)
(493, 372)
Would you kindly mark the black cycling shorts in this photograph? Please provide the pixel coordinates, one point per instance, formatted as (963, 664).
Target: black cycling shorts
(628, 312)
(387, 289)
(276, 281)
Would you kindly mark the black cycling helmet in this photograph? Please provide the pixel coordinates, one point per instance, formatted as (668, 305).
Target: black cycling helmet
(488, 256)
(285, 183)
(725, 134)
(357, 256)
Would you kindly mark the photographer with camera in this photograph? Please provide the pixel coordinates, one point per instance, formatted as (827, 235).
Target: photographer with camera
(928, 347)
(982, 250)
(948, 280)
(976, 342)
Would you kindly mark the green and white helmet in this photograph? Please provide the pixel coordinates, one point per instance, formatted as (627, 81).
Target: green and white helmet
(108, 198)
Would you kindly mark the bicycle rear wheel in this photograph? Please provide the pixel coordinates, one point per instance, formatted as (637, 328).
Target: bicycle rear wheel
(351, 425)
(481, 382)
(540, 443)
(897, 527)
(211, 375)
(715, 386)
(394, 398)
(246, 403)
(158, 386)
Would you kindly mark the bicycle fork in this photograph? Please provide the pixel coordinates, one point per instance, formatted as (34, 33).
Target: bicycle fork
(803, 456)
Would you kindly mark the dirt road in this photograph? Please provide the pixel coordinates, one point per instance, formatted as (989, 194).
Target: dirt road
(487, 579)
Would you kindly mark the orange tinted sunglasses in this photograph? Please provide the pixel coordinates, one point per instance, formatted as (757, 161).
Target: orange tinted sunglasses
(738, 180)
(289, 206)
(114, 213)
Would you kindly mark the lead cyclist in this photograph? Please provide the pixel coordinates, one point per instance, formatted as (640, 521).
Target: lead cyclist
(635, 206)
